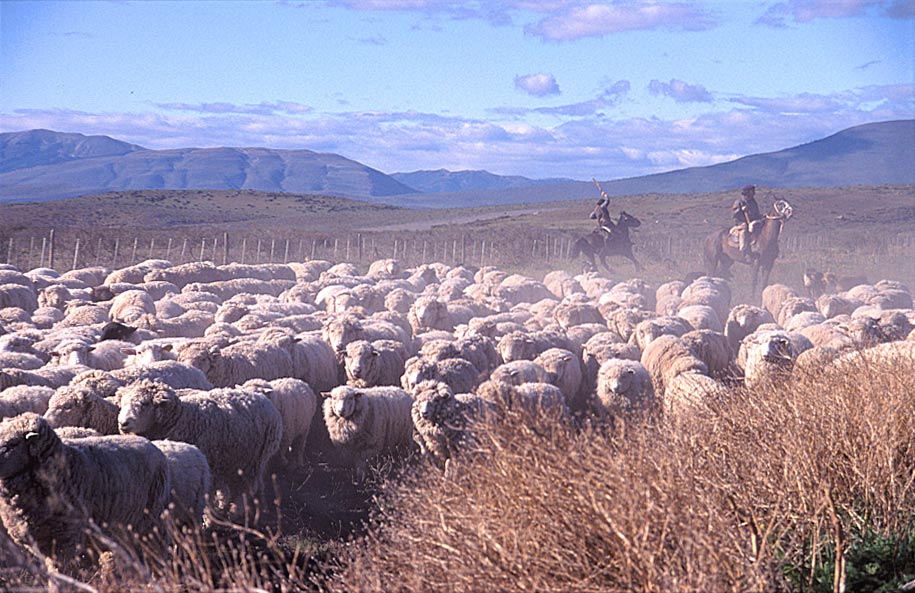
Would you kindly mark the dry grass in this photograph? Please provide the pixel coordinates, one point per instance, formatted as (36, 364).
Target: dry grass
(755, 496)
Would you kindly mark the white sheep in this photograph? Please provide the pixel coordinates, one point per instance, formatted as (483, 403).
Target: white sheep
(517, 372)
(624, 387)
(564, 370)
(667, 357)
(297, 403)
(460, 374)
(366, 422)
(767, 354)
(527, 345)
(440, 420)
(51, 490)
(743, 320)
(176, 375)
(18, 295)
(428, 312)
(106, 356)
(238, 431)
(342, 330)
(313, 360)
(532, 398)
(24, 398)
(712, 348)
(80, 406)
(651, 329)
(131, 306)
(235, 364)
(370, 364)
(190, 482)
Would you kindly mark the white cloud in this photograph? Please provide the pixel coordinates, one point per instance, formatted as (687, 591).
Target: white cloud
(592, 143)
(679, 91)
(539, 85)
(803, 11)
(599, 19)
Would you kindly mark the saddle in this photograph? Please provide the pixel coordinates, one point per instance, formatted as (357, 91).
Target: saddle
(734, 234)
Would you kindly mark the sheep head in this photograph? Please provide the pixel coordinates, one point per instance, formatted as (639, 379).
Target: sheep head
(144, 405)
(433, 401)
(25, 439)
(68, 406)
(344, 400)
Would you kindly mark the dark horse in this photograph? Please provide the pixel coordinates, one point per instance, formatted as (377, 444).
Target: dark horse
(603, 244)
(720, 253)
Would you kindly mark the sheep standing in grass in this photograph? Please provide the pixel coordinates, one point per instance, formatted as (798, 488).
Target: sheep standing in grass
(624, 387)
(80, 406)
(238, 431)
(564, 371)
(370, 364)
(297, 404)
(766, 354)
(440, 420)
(51, 490)
(743, 321)
(458, 373)
(366, 422)
(191, 482)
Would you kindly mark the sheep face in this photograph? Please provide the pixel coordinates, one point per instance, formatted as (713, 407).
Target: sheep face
(72, 352)
(201, 357)
(343, 402)
(360, 362)
(23, 440)
(434, 401)
(142, 406)
(68, 407)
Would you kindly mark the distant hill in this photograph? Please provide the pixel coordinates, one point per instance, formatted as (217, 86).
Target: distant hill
(49, 165)
(43, 165)
(870, 154)
(443, 180)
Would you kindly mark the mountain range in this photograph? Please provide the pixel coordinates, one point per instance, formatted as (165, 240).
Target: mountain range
(39, 165)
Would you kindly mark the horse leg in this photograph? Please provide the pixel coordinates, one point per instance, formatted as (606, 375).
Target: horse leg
(603, 260)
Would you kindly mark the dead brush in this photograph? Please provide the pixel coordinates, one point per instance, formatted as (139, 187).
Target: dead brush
(751, 495)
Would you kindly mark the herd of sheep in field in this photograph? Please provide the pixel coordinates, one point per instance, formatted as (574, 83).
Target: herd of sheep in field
(162, 392)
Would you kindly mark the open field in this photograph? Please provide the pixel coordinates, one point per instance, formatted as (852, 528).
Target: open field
(851, 230)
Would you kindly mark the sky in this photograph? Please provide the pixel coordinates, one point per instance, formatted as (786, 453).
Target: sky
(540, 88)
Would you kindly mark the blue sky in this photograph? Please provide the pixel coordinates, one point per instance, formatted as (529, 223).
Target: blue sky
(541, 88)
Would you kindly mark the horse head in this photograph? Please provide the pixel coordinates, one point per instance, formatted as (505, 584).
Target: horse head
(782, 209)
(628, 220)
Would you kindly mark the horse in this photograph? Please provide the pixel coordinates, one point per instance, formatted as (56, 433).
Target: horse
(720, 253)
(599, 243)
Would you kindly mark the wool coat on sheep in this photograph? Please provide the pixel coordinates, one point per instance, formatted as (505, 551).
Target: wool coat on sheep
(176, 375)
(667, 357)
(191, 482)
(712, 292)
(712, 348)
(526, 346)
(238, 431)
(17, 295)
(651, 329)
(766, 354)
(80, 406)
(50, 490)
(564, 370)
(742, 321)
(235, 364)
(624, 387)
(370, 364)
(517, 372)
(774, 295)
(458, 373)
(297, 403)
(441, 418)
(24, 398)
(366, 422)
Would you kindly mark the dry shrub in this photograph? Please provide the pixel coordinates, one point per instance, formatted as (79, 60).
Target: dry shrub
(750, 496)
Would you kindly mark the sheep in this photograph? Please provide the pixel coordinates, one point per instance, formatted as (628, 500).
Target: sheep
(774, 295)
(623, 320)
(150, 352)
(80, 406)
(312, 359)
(804, 319)
(184, 274)
(429, 313)
(106, 356)
(742, 321)
(478, 350)
(526, 346)
(440, 420)
(521, 289)
(712, 292)
(828, 335)
(624, 387)
(190, 324)
(650, 329)
(564, 371)
(519, 371)
(190, 481)
(701, 317)
(364, 422)
(297, 404)
(571, 313)
(99, 382)
(534, 398)
(385, 268)
(130, 306)
(24, 398)
(20, 360)
(134, 274)
(55, 296)
(461, 375)
(766, 354)
(238, 431)
(51, 490)
(833, 305)
(173, 373)
(814, 359)
(235, 364)
(341, 331)
(370, 364)
(713, 349)
(47, 376)
(17, 295)
(792, 306)
(667, 357)
(562, 284)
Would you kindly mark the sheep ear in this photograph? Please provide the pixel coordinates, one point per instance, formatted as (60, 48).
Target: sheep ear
(91, 347)
(129, 351)
(325, 394)
(31, 435)
(374, 352)
(167, 347)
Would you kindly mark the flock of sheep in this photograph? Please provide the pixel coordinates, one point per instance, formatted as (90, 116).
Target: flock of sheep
(155, 392)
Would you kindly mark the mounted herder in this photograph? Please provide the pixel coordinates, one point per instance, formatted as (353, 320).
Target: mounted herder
(754, 241)
(608, 238)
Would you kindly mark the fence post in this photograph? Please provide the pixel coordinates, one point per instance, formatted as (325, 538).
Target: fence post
(347, 249)
(9, 252)
(286, 253)
(183, 249)
(168, 249)
(44, 242)
(31, 251)
(98, 251)
(314, 247)
(335, 249)
(114, 260)
(244, 246)
(272, 250)
(51, 250)
(225, 247)
(133, 256)
(203, 246)
(75, 252)
(152, 245)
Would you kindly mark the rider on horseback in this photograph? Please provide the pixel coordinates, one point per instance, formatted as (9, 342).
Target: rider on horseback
(602, 214)
(746, 213)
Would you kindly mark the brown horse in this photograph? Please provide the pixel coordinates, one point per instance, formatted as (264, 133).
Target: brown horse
(720, 253)
(601, 244)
